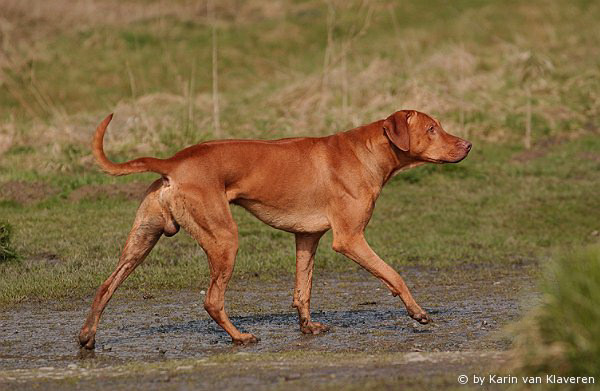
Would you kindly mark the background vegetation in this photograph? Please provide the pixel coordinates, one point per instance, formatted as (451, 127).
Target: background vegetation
(521, 80)
(6, 251)
(562, 335)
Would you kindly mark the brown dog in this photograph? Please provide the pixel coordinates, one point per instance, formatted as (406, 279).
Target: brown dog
(305, 186)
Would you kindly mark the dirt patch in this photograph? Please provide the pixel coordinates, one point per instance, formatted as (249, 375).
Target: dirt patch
(25, 192)
(539, 149)
(593, 156)
(46, 258)
(129, 191)
(171, 340)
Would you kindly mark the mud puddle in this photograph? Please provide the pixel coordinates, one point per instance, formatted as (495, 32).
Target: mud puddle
(469, 305)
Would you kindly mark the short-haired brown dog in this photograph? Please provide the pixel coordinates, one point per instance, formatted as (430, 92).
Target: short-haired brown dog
(305, 186)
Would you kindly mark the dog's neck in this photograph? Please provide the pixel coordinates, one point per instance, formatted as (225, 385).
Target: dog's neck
(379, 155)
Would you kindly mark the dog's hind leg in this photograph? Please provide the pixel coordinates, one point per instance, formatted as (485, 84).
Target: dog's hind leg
(147, 228)
(306, 246)
(207, 217)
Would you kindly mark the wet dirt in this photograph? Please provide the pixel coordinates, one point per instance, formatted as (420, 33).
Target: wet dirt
(469, 304)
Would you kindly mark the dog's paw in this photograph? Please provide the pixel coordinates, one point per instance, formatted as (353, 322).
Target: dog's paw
(86, 340)
(245, 339)
(314, 328)
(422, 317)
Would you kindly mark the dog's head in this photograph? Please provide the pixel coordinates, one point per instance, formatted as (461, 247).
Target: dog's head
(423, 138)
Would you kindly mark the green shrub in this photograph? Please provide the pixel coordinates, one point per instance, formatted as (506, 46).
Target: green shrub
(562, 336)
(6, 251)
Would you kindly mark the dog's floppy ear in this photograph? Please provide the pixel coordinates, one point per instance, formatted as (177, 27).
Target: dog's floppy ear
(396, 128)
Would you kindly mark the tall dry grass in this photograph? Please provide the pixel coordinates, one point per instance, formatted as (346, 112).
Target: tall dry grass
(481, 71)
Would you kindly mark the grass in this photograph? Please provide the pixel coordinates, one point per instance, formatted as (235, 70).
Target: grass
(300, 68)
(283, 370)
(7, 253)
(562, 335)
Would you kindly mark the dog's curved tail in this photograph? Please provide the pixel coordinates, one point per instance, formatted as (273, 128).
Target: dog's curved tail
(143, 164)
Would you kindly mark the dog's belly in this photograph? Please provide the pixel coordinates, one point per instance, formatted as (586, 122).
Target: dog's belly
(299, 219)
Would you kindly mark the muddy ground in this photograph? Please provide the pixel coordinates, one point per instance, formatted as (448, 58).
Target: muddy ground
(165, 339)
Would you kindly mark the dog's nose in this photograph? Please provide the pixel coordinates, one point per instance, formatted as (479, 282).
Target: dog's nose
(468, 145)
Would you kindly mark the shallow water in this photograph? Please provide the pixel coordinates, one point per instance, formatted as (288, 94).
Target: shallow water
(469, 306)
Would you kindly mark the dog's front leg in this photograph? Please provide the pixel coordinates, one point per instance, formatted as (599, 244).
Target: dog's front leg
(306, 246)
(356, 248)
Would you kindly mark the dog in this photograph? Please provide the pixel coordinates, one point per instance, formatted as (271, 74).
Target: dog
(305, 186)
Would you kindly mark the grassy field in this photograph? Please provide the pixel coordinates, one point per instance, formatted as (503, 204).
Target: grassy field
(521, 80)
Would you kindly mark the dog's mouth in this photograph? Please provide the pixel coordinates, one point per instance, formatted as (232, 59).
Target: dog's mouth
(443, 161)
(451, 158)
(459, 159)
(436, 161)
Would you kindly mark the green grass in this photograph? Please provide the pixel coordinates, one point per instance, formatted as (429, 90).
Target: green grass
(562, 335)
(279, 76)
(281, 371)
(7, 253)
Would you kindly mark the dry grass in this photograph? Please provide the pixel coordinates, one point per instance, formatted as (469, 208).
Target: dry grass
(59, 16)
(374, 60)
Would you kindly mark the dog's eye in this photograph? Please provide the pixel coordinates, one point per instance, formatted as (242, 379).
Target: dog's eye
(431, 129)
